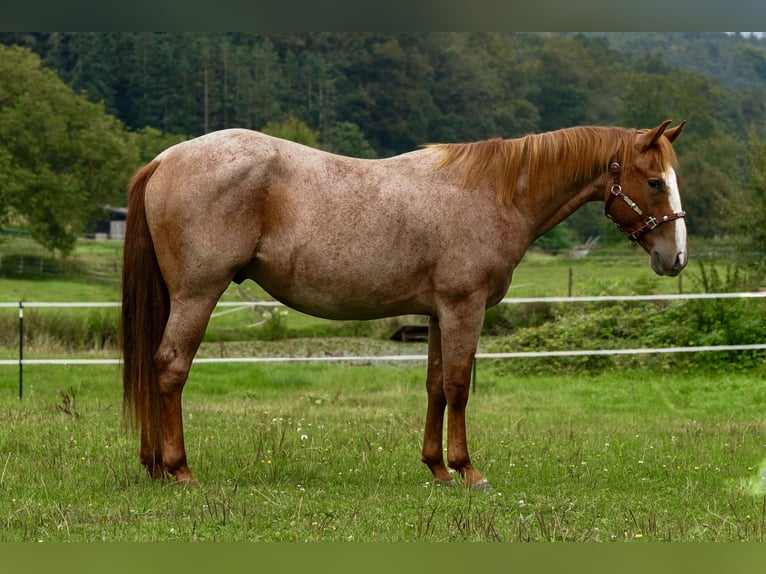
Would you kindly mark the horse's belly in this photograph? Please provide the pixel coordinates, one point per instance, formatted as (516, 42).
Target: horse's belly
(344, 288)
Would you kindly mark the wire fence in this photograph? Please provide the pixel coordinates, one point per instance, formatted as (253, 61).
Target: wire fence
(21, 361)
(234, 306)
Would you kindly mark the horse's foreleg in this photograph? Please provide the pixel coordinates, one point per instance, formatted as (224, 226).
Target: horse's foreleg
(460, 327)
(183, 335)
(432, 439)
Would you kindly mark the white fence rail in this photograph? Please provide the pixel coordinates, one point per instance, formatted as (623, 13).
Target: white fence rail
(405, 358)
(507, 300)
(386, 358)
(21, 361)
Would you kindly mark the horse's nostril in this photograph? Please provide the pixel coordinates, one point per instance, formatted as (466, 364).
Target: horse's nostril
(680, 260)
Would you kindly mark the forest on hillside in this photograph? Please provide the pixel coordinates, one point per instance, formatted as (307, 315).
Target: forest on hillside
(405, 89)
(379, 94)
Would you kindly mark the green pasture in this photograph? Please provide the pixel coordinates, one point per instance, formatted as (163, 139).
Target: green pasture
(331, 453)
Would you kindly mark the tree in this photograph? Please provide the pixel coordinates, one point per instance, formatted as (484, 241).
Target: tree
(89, 59)
(652, 97)
(561, 78)
(346, 138)
(709, 171)
(479, 88)
(384, 89)
(150, 142)
(62, 158)
(294, 130)
(749, 211)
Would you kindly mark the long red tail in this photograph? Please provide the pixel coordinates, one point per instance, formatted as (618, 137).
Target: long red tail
(145, 309)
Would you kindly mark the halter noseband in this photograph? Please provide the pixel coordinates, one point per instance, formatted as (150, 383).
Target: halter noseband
(649, 222)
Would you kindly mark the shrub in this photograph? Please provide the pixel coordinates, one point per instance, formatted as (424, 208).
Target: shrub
(69, 330)
(648, 324)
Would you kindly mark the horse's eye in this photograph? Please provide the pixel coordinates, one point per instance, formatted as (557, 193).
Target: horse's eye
(655, 184)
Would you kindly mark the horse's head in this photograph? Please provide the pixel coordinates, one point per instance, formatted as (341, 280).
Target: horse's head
(644, 200)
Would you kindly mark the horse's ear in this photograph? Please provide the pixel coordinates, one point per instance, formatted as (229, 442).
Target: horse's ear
(650, 138)
(673, 133)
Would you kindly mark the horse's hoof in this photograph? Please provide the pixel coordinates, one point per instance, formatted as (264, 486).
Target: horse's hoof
(446, 483)
(483, 484)
(187, 481)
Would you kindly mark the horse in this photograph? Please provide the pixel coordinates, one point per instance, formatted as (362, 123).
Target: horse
(435, 232)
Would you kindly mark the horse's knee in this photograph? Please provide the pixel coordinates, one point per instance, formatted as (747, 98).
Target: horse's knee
(172, 372)
(456, 392)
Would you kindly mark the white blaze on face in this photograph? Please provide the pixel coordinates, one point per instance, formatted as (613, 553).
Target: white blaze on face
(675, 205)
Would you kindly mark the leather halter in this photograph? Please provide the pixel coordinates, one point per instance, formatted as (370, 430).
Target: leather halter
(648, 222)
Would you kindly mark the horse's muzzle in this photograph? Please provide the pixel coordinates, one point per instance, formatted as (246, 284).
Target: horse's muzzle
(668, 267)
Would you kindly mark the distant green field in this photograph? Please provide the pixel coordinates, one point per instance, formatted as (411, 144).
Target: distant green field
(92, 274)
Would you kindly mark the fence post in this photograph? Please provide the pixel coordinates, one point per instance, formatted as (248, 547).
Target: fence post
(21, 349)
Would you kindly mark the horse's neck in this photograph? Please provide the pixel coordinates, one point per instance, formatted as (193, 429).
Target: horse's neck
(544, 213)
(565, 170)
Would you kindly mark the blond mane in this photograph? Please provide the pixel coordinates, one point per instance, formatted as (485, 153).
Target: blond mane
(542, 161)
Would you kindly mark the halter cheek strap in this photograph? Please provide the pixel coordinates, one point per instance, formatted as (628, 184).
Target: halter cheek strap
(648, 222)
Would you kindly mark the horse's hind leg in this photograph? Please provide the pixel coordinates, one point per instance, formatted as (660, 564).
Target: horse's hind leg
(183, 334)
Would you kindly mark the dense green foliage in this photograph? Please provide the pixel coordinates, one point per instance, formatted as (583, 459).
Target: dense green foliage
(62, 157)
(404, 89)
(373, 94)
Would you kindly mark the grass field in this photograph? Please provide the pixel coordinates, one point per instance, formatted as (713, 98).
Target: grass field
(331, 453)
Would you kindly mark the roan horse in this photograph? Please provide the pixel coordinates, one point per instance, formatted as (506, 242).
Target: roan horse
(436, 232)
